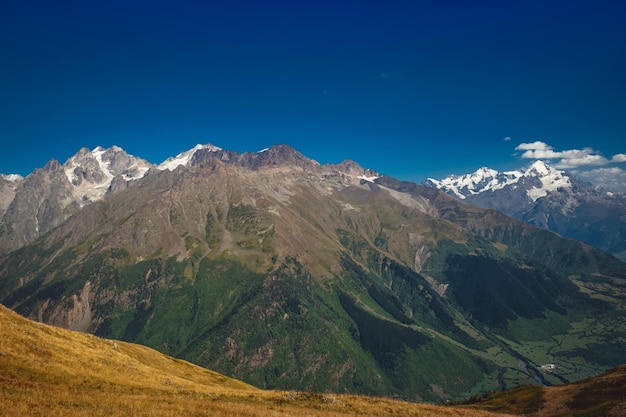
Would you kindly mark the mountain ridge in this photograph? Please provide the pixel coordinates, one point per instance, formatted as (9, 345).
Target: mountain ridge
(32, 206)
(548, 198)
(486, 179)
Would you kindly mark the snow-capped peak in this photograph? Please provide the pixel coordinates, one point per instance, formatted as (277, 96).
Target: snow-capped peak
(12, 177)
(91, 172)
(485, 179)
(484, 172)
(551, 180)
(183, 158)
(538, 169)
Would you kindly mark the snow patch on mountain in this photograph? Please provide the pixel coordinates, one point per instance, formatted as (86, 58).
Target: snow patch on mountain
(368, 178)
(92, 172)
(484, 179)
(184, 158)
(551, 180)
(15, 178)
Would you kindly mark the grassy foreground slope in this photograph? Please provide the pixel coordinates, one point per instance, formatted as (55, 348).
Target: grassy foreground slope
(603, 395)
(48, 371)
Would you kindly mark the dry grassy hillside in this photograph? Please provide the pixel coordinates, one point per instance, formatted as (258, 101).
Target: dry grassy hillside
(603, 395)
(48, 371)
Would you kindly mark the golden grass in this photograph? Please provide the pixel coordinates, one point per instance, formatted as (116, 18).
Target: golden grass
(48, 371)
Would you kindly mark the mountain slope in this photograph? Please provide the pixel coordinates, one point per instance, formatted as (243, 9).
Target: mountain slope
(286, 273)
(8, 184)
(601, 395)
(51, 371)
(245, 232)
(547, 198)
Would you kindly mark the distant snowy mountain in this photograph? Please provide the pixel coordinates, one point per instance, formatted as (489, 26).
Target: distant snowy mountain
(536, 181)
(471, 184)
(548, 198)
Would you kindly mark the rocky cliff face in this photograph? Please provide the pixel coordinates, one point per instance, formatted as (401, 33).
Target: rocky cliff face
(8, 186)
(42, 202)
(48, 196)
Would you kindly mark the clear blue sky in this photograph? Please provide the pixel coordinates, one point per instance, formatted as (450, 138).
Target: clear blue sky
(409, 88)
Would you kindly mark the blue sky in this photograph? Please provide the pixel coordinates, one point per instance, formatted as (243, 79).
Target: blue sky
(411, 89)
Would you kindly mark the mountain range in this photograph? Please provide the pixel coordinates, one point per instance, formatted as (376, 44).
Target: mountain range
(548, 198)
(285, 273)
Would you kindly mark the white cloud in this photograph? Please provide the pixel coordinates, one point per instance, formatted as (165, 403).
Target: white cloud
(613, 178)
(538, 145)
(580, 160)
(620, 157)
(568, 159)
(507, 138)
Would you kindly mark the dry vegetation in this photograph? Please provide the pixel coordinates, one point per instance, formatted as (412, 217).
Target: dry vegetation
(603, 395)
(48, 371)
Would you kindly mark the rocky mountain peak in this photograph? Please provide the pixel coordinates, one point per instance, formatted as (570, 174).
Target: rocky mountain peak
(277, 155)
(349, 167)
(353, 169)
(118, 162)
(189, 157)
(13, 178)
(50, 195)
(83, 166)
(539, 168)
(92, 172)
(485, 172)
(51, 165)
